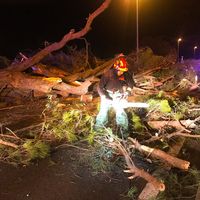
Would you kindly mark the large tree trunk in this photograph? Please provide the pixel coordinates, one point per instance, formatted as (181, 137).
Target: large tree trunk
(44, 85)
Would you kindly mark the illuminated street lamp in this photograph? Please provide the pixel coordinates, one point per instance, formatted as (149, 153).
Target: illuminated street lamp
(178, 48)
(195, 47)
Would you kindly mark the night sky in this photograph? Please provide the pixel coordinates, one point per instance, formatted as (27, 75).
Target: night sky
(26, 24)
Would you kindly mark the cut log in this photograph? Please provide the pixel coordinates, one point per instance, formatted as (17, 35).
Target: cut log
(146, 193)
(159, 154)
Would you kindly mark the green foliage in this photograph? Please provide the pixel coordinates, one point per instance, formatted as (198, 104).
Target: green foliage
(178, 116)
(36, 149)
(181, 185)
(160, 94)
(62, 131)
(132, 192)
(72, 125)
(11, 155)
(137, 122)
(160, 105)
(181, 109)
(164, 106)
(71, 137)
(90, 137)
(31, 150)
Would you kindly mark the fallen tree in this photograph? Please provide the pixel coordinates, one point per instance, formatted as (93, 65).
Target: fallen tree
(62, 83)
(44, 85)
(13, 75)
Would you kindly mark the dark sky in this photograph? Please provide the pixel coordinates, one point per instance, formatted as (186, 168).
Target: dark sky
(26, 24)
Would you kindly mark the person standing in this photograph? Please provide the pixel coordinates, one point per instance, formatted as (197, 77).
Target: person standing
(115, 85)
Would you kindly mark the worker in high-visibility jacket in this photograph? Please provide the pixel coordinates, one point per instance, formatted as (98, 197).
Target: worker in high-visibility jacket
(113, 87)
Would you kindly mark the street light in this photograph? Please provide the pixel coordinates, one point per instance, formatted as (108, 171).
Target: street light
(137, 30)
(195, 47)
(178, 48)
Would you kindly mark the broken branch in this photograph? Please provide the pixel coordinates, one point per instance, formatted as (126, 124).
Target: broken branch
(136, 171)
(159, 154)
(8, 144)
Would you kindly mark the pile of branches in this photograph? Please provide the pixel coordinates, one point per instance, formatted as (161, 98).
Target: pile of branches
(158, 136)
(172, 115)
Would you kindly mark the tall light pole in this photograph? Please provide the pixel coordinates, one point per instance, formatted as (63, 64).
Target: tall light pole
(137, 30)
(194, 53)
(178, 48)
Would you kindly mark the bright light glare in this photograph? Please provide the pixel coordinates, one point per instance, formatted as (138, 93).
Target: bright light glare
(125, 104)
(196, 79)
(179, 39)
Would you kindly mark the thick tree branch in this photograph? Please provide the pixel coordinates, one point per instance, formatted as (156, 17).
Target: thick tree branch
(159, 154)
(58, 45)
